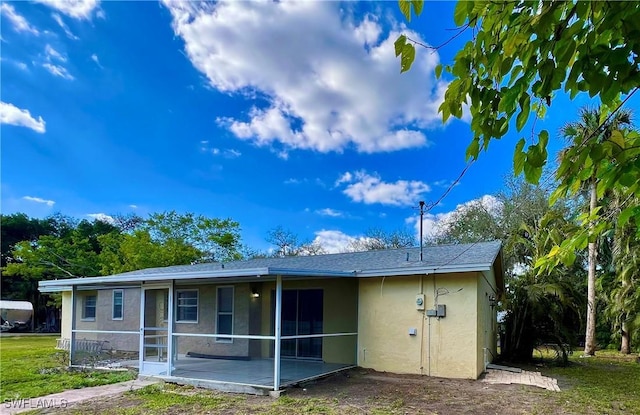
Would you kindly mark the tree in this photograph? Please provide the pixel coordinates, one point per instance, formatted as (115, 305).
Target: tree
(521, 55)
(539, 308)
(288, 244)
(376, 238)
(135, 251)
(589, 132)
(620, 284)
(217, 239)
(19, 227)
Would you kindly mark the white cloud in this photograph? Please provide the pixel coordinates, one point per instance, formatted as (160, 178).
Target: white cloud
(58, 70)
(10, 114)
(94, 58)
(102, 217)
(370, 189)
(18, 21)
(39, 200)
(334, 241)
(330, 212)
(437, 223)
(133, 206)
(64, 26)
(78, 9)
(227, 153)
(53, 54)
(331, 81)
(21, 65)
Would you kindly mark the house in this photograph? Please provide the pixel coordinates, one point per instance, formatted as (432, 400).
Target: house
(265, 324)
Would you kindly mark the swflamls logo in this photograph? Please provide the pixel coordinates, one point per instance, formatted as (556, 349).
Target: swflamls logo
(35, 403)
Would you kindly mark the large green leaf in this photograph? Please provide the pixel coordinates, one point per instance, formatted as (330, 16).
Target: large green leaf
(408, 56)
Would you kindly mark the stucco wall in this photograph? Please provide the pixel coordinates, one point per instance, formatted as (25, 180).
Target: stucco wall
(103, 321)
(445, 347)
(65, 322)
(206, 324)
(340, 311)
(487, 326)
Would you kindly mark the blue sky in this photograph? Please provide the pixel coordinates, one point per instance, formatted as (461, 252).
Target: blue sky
(273, 114)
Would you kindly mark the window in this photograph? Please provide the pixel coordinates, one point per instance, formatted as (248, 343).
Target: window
(118, 307)
(89, 307)
(224, 320)
(187, 306)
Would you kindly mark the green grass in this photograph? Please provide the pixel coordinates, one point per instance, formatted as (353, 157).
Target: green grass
(606, 383)
(30, 367)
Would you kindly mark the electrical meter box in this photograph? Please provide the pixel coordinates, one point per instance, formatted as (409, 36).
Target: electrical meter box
(420, 300)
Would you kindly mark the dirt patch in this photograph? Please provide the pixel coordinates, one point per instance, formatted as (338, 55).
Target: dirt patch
(357, 391)
(412, 394)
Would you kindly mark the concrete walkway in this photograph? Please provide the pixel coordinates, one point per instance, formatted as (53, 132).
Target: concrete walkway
(508, 377)
(66, 398)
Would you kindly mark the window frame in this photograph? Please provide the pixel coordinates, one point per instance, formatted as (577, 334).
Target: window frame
(225, 313)
(85, 297)
(113, 304)
(177, 305)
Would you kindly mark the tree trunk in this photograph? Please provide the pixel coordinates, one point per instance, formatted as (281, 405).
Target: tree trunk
(590, 335)
(624, 346)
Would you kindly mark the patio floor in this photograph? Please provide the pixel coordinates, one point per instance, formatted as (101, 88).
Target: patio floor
(257, 372)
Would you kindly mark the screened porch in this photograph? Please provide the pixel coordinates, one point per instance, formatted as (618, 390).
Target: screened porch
(240, 335)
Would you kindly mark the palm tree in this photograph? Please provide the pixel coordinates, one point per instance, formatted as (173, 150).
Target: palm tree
(624, 297)
(593, 127)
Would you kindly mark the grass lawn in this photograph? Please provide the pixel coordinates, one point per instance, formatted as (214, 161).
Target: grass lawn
(30, 367)
(607, 383)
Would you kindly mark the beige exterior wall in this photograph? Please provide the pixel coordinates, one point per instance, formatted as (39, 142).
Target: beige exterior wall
(487, 324)
(340, 315)
(444, 347)
(65, 322)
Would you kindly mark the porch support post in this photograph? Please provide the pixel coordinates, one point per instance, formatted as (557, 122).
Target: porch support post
(74, 311)
(170, 327)
(278, 334)
(141, 347)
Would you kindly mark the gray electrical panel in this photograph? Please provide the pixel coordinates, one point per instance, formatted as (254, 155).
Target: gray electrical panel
(441, 310)
(432, 313)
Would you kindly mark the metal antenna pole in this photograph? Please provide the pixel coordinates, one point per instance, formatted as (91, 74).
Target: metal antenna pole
(421, 216)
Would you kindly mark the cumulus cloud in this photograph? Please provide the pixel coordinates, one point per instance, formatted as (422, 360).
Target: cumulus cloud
(10, 114)
(330, 81)
(102, 217)
(78, 9)
(333, 241)
(370, 189)
(19, 23)
(433, 224)
(39, 200)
